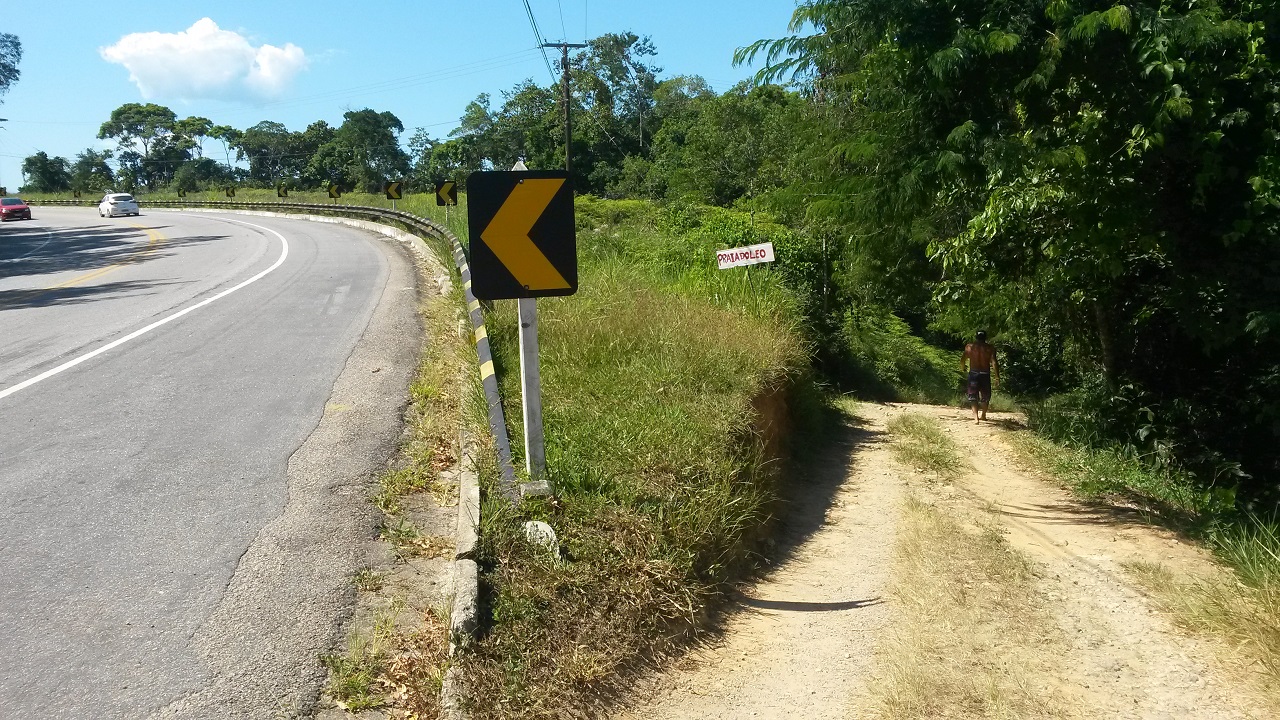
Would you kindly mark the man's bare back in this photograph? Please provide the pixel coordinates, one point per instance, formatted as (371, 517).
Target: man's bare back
(979, 362)
(980, 356)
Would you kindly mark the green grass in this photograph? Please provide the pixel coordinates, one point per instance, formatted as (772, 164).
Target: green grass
(1169, 496)
(353, 677)
(653, 377)
(920, 442)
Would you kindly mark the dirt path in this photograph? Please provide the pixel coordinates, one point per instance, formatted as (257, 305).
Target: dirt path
(804, 638)
(804, 642)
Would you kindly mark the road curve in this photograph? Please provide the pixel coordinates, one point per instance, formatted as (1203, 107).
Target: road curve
(191, 406)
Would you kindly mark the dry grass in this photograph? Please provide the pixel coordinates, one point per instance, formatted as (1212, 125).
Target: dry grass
(1241, 610)
(385, 668)
(1245, 618)
(396, 664)
(920, 442)
(970, 638)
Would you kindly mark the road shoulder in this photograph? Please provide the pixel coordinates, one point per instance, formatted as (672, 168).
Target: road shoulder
(292, 592)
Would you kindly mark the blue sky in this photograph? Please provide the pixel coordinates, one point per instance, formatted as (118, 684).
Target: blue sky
(297, 62)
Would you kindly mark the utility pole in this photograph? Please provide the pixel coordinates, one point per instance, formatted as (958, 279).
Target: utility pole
(565, 98)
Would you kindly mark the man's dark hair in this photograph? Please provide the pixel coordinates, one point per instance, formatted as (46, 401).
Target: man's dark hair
(982, 336)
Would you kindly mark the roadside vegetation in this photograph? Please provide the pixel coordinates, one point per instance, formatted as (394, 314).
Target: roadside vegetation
(669, 389)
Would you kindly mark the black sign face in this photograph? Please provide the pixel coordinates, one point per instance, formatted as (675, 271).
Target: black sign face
(523, 241)
(335, 192)
(446, 193)
(392, 190)
(75, 194)
(181, 193)
(231, 192)
(282, 191)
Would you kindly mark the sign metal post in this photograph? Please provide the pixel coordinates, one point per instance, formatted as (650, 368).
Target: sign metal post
(535, 449)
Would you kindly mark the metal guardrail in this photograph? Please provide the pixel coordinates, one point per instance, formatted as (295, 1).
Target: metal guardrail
(417, 225)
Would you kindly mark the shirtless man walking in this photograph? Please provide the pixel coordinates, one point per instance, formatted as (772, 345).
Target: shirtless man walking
(980, 362)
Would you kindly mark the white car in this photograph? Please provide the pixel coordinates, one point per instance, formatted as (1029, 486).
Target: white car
(114, 204)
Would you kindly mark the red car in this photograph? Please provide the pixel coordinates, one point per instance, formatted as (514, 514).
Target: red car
(13, 209)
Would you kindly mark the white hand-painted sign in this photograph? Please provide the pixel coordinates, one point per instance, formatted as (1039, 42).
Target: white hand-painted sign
(749, 255)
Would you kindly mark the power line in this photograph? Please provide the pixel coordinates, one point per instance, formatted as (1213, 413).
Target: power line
(538, 39)
(564, 32)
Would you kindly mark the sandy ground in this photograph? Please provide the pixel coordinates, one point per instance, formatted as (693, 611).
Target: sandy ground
(801, 643)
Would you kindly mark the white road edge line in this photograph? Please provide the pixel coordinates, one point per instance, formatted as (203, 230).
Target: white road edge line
(163, 321)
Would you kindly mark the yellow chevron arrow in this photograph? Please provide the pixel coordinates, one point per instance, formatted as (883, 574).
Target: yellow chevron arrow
(445, 191)
(507, 234)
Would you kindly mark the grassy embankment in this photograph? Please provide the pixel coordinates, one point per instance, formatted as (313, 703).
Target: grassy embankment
(659, 378)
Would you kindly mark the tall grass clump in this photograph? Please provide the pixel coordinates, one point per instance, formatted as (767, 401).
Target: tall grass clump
(666, 392)
(920, 442)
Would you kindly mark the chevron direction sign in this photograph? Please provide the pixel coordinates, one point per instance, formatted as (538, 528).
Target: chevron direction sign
(446, 193)
(523, 242)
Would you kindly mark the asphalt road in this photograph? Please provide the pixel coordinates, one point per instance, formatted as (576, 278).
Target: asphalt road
(191, 406)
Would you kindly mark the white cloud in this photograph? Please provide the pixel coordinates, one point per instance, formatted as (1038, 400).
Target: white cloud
(205, 61)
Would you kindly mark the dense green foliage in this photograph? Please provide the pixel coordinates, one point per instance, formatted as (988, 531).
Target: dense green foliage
(10, 56)
(1095, 182)
(46, 174)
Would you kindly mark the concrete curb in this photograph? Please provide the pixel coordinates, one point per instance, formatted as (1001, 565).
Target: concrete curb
(468, 502)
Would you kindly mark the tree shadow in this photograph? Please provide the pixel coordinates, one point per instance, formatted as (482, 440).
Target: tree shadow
(43, 251)
(813, 486)
(796, 606)
(75, 295)
(808, 491)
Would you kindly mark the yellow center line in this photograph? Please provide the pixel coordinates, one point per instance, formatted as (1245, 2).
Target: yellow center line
(156, 237)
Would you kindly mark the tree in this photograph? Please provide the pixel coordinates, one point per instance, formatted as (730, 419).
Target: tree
(91, 171)
(613, 88)
(135, 125)
(267, 147)
(45, 174)
(304, 146)
(200, 174)
(10, 56)
(719, 149)
(194, 130)
(364, 152)
(229, 136)
(1103, 174)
